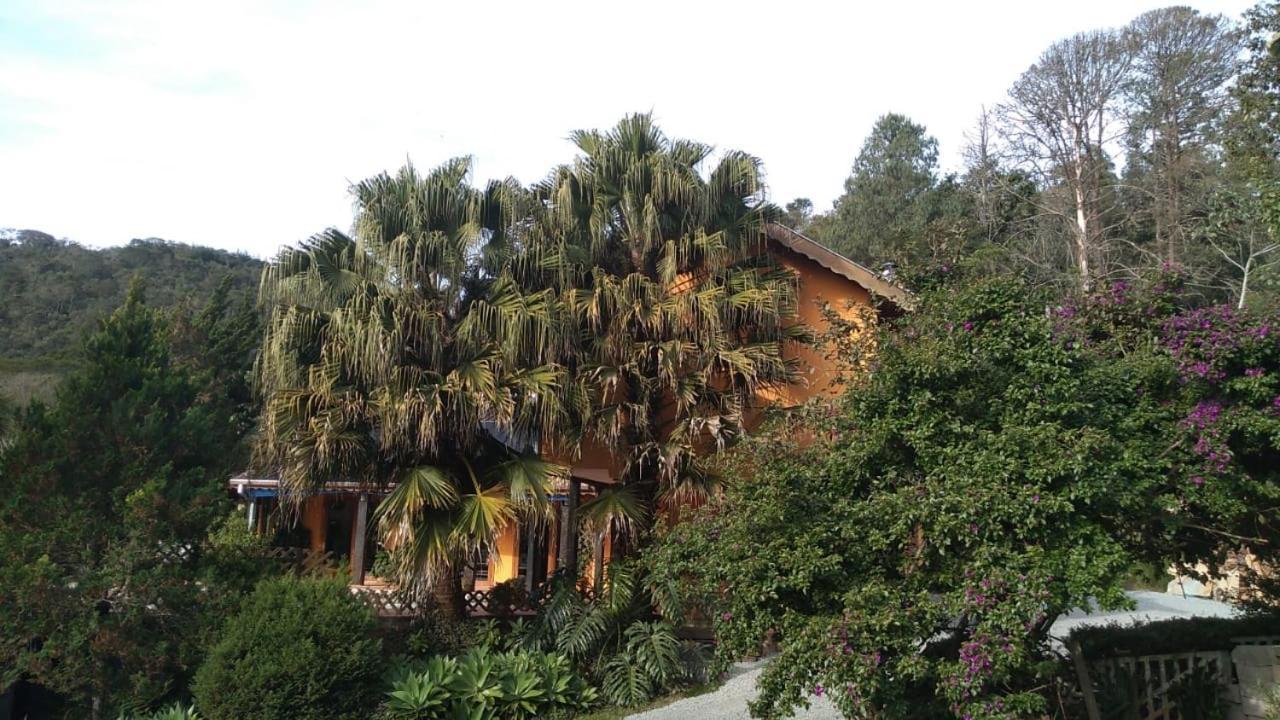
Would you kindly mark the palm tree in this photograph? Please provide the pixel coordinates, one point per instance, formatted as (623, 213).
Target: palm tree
(680, 315)
(406, 358)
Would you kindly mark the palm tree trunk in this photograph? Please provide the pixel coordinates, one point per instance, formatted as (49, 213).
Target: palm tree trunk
(447, 593)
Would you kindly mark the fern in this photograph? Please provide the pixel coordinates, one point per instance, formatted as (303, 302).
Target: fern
(654, 649)
(624, 683)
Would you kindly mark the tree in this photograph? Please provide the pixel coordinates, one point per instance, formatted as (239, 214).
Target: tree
(679, 317)
(1254, 136)
(109, 500)
(885, 208)
(1056, 124)
(1008, 459)
(1242, 228)
(407, 358)
(1176, 93)
(799, 214)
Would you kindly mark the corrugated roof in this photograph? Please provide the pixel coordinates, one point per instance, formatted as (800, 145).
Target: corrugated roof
(835, 262)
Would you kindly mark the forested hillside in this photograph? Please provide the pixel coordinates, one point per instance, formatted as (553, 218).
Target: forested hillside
(55, 291)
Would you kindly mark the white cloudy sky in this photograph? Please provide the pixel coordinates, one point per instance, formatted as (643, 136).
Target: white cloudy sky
(241, 123)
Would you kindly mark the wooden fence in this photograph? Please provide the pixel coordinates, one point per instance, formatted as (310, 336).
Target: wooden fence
(304, 561)
(1152, 687)
(1174, 686)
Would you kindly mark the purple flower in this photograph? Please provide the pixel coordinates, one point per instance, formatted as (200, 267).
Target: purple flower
(968, 325)
(1197, 480)
(817, 690)
(973, 528)
(726, 616)
(1253, 372)
(1035, 498)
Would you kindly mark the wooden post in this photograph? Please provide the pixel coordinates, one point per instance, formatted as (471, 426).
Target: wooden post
(315, 518)
(1086, 685)
(599, 564)
(358, 540)
(569, 530)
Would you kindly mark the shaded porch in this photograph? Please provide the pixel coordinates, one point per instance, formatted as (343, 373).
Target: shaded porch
(332, 534)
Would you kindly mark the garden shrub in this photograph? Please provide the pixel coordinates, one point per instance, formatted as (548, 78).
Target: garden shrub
(434, 632)
(1179, 635)
(298, 649)
(507, 597)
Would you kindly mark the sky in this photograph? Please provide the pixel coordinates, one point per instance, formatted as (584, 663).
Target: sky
(242, 124)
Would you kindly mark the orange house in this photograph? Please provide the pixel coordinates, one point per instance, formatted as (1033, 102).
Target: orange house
(336, 521)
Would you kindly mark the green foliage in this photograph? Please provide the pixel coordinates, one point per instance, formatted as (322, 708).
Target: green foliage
(1007, 459)
(297, 649)
(407, 356)
(1178, 635)
(56, 291)
(618, 641)
(667, 294)
(110, 496)
(176, 711)
(507, 597)
(436, 632)
(1253, 136)
(486, 685)
(894, 208)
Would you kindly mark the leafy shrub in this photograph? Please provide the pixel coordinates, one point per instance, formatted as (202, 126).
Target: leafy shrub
(507, 597)
(619, 641)
(175, 711)
(1172, 636)
(487, 685)
(435, 633)
(298, 649)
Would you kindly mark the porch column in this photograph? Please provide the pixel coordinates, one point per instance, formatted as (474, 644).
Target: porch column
(599, 563)
(253, 515)
(358, 539)
(314, 518)
(569, 530)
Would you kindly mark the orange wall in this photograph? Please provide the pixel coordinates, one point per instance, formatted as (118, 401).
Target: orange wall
(503, 562)
(818, 287)
(315, 520)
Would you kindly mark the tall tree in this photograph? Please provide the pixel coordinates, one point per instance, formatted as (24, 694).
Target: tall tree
(107, 501)
(799, 214)
(1057, 122)
(1176, 93)
(406, 357)
(885, 207)
(1254, 136)
(679, 316)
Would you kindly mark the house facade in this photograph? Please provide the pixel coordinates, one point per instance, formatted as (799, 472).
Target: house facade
(334, 524)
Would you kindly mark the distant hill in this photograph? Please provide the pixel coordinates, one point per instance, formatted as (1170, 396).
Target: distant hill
(53, 291)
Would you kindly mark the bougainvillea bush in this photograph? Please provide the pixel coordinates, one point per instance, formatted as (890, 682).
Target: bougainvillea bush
(1007, 458)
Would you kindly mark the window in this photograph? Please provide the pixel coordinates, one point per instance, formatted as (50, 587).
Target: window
(481, 564)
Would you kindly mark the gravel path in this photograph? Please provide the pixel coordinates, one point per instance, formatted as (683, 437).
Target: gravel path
(729, 701)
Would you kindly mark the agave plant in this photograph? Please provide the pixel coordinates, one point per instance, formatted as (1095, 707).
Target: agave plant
(423, 693)
(487, 685)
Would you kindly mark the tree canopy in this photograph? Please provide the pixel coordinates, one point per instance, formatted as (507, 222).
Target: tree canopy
(1008, 459)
